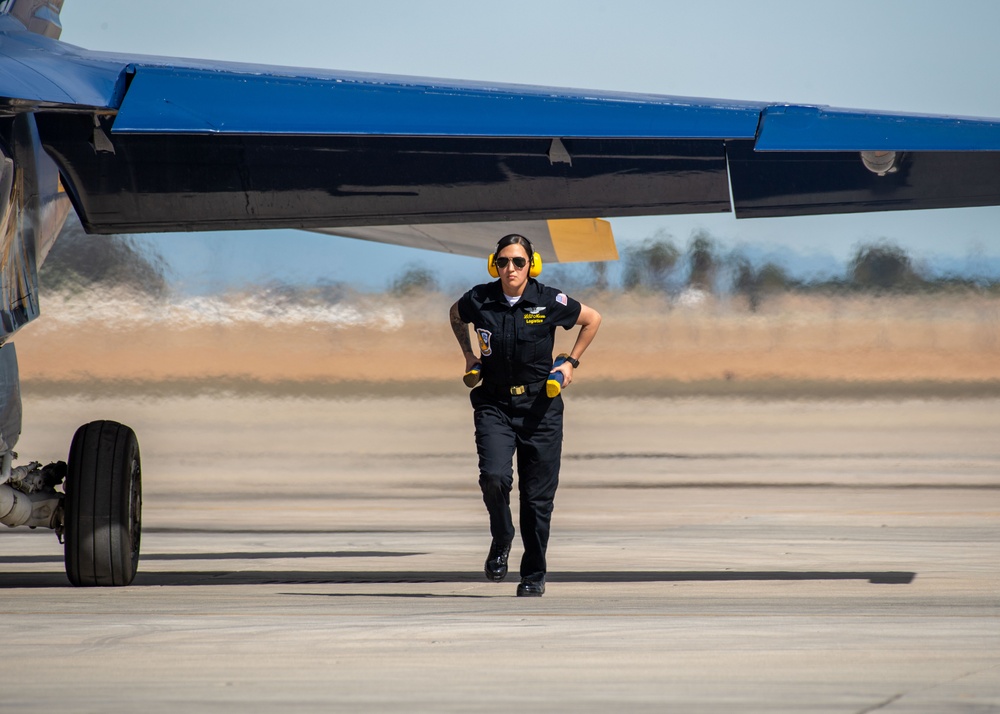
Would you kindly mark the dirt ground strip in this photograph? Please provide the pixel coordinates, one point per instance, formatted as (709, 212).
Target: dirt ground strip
(803, 339)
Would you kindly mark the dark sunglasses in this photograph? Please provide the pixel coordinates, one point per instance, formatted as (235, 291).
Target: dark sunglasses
(518, 262)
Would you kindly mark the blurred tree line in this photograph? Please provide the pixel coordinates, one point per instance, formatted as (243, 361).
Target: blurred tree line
(658, 265)
(78, 261)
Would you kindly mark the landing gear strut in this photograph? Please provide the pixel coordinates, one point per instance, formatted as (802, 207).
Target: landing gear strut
(103, 505)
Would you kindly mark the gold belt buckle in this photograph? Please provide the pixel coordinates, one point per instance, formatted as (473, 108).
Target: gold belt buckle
(518, 390)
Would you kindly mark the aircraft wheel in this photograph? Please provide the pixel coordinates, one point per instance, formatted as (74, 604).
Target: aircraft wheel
(103, 505)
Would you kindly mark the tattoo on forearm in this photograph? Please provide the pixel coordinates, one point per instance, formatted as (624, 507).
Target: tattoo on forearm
(461, 331)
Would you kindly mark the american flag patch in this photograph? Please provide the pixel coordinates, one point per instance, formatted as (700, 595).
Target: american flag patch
(562, 299)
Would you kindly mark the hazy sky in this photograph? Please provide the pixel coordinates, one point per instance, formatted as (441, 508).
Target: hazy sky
(913, 55)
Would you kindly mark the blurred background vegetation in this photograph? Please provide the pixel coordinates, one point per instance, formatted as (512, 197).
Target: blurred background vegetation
(79, 262)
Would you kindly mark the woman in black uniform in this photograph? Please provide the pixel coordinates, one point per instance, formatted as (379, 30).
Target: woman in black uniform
(515, 319)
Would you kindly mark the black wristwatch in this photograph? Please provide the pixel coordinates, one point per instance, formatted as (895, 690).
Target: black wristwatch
(574, 362)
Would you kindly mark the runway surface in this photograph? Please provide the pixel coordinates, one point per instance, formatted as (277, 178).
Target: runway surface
(710, 555)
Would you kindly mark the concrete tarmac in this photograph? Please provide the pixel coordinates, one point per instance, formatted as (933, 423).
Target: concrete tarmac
(706, 556)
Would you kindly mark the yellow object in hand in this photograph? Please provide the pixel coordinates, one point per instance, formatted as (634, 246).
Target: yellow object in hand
(473, 376)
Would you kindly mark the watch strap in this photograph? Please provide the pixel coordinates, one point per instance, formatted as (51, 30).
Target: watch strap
(574, 362)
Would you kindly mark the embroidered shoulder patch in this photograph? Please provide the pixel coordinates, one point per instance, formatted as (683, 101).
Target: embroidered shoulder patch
(562, 299)
(484, 342)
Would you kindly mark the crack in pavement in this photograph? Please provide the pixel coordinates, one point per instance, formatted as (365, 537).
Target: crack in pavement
(896, 697)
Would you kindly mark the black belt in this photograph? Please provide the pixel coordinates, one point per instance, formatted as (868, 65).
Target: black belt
(513, 390)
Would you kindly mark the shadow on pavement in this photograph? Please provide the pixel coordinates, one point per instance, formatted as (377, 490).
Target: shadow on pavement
(370, 577)
(229, 556)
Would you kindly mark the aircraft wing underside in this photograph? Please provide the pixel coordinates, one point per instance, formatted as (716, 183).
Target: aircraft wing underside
(151, 144)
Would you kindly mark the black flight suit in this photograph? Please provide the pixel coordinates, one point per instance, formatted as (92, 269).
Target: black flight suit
(512, 411)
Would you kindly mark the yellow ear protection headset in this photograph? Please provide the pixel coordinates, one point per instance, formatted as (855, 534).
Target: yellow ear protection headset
(535, 259)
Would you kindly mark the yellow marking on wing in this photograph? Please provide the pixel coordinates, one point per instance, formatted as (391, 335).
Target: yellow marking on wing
(582, 239)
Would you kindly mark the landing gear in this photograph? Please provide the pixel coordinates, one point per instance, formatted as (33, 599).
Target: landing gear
(103, 505)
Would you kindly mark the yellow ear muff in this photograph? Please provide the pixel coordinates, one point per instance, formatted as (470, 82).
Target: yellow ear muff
(536, 265)
(491, 266)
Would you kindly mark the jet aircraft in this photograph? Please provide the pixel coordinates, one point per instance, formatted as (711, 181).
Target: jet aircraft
(134, 144)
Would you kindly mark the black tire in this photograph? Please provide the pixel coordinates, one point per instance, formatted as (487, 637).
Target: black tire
(103, 505)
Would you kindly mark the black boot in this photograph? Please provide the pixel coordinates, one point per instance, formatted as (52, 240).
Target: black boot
(496, 561)
(531, 588)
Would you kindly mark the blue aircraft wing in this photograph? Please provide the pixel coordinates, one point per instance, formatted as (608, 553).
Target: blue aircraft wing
(160, 144)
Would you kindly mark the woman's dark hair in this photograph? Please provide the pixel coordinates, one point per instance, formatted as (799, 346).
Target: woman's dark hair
(515, 239)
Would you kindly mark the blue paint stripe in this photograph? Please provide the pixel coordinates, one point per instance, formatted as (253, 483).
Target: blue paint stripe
(805, 128)
(172, 100)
